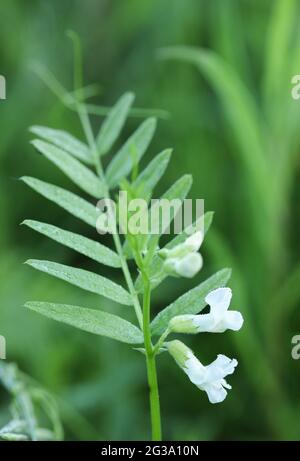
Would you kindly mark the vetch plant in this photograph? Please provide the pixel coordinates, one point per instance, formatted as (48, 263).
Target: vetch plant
(82, 162)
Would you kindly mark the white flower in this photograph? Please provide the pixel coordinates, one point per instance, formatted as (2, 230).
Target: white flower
(218, 320)
(188, 266)
(208, 378)
(183, 260)
(193, 243)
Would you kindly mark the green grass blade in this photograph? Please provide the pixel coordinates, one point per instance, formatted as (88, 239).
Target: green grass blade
(239, 106)
(228, 23)
(278, 51)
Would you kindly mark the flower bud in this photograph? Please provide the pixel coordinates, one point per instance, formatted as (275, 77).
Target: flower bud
(183, 324)
(177, 252)
(194, 242)
(183, 260)
(190, 265)
(179, 351)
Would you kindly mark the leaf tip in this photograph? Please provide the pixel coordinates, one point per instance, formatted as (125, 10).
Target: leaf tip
(30, 305)
(152, 121)
(37, 143)
(34, 129)
(29, 262)
(189, 178)
(227, 271)
(169, 151)
(130, 96)
(26, 179)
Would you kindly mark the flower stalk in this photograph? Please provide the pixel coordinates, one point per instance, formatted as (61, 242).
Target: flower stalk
(151, 363)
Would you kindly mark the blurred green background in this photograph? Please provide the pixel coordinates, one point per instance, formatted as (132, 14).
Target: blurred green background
(233, 125)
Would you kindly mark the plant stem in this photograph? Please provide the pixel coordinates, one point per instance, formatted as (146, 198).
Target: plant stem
(143, 318)
(151, 364)
(86, 125)
(161, 340)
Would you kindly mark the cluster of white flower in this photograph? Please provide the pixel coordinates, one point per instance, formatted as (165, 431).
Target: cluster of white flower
(185, 261)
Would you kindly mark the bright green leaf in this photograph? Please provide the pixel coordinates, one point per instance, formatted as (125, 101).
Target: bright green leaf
(83, 279)
(113, 123)
(83, 245)
(81, 175)
(123, 161)
(178, 191)
(65, 141)
(90, 320)
(148, 179)
(67, 200)
(146, 182)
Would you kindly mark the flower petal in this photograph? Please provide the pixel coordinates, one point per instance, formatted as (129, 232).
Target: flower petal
(216, 394)
(205, 323)
(194, 242)
(189, 265)
(225, 384)
(233, 320)
(228, 365)
(195, 370)
(219, 301)
(220, 368)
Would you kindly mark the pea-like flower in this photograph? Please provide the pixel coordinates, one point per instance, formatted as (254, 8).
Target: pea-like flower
(208, 378)
(218, 320)
(184, 260)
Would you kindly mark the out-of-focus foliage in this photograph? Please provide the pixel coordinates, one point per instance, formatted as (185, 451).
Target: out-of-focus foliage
(234, 125)
(30, 406)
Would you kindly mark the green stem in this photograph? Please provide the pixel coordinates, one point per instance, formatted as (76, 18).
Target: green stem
(151, 364)
(86, 125)
(161, 341)
(135, 112)
(143, 318)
